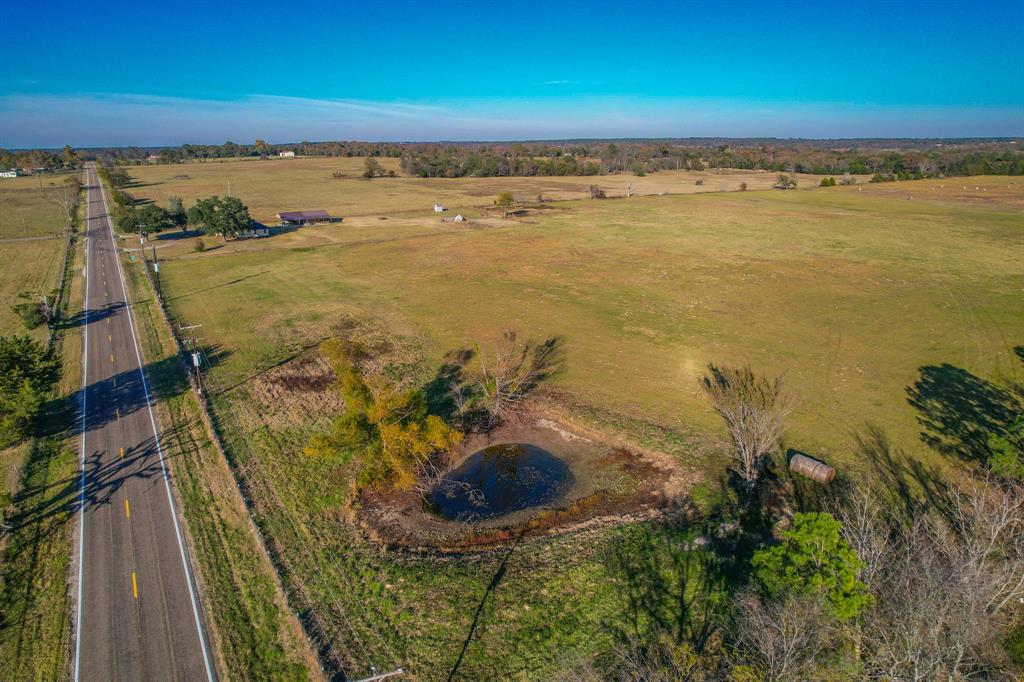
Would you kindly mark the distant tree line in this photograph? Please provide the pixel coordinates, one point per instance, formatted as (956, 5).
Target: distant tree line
(882, 159)
(50, 159)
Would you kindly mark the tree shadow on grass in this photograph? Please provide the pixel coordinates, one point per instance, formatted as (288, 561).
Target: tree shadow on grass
(672, 580)
(908, 486)
(677, 575)
(496, 579)
(959, 410)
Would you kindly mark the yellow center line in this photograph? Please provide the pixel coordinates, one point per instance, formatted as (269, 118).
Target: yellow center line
(111, 357)
(118, 411)
(122, 457)
(135, 586)
(109, 337)
(127, 510)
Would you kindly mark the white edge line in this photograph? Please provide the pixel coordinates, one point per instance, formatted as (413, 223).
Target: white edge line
(85, 376)
(159, 447)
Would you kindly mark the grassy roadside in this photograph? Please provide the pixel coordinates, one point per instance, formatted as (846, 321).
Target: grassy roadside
(35, 598)
(253, 633)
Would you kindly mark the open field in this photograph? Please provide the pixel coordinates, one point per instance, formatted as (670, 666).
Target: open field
(846, 292)
(24, 209)
(861, 295)
(33, 264)
(294, 184)
(27, 266)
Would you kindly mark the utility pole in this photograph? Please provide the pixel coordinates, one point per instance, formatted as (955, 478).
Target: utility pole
(156, 273)
(193, 349)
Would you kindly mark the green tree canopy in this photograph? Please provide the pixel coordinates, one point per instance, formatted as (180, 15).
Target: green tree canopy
(1007, 458)
(814, 559)
(227, 216)
(152, 218)
(390, 429)
(27, 371)
(176, 212)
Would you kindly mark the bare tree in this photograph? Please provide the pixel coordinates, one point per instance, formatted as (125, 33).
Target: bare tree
(499, 380)
(785, 638)
(64, 195)
(943, 583)
(754, 409)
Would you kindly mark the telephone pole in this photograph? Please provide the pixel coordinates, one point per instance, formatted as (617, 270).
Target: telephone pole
(156, 273)
(195, 356)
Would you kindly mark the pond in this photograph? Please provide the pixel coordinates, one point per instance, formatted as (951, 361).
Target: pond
(499, 480)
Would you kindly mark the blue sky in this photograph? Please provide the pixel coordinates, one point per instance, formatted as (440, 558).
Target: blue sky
(167, 73)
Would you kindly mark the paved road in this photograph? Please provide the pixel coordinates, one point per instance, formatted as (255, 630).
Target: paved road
(138, 612)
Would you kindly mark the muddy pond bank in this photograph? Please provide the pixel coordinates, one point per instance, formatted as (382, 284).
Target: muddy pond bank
(518, 481)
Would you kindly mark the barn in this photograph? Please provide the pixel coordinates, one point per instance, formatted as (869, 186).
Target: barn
(316, 216)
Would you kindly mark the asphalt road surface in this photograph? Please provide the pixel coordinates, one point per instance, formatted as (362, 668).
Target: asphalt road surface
(138, 612)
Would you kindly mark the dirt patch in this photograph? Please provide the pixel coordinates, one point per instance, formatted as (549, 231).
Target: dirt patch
(612, 483)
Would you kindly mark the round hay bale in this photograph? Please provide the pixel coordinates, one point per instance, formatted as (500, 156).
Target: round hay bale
(812, 468)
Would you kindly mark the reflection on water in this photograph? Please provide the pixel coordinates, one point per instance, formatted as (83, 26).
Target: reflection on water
(499, 480)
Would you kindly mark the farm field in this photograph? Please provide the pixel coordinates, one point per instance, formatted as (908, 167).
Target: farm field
(862, 296)
(295, 184)
(30, 250)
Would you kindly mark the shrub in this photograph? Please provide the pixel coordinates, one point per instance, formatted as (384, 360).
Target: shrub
(827, 182)
(30, 314)
(785, 182)
(200, 246)
(743, 187)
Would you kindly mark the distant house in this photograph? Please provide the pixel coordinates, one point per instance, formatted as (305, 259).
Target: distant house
(286, 154)
(13, 173)
(315, 216)
(438, 208)
(459, 219)
(153, 158)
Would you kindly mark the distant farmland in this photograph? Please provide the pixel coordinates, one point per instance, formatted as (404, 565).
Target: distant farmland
(294, 184)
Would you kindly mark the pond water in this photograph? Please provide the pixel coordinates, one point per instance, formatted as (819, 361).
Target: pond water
(499, 480)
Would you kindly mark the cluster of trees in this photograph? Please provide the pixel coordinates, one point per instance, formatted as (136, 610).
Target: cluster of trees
(226, 216)
(28, 370)
(214, 215)
(65, 159)
(454, 163)
(862, 583)
(884, 159)
(373, 169)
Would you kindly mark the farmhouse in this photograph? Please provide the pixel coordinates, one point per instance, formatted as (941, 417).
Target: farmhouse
(286, 154)
(13, 173)
(316, 216)
(438, 208)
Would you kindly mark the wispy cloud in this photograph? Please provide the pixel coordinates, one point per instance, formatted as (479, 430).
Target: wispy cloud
(561, 82)
(28, 120)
